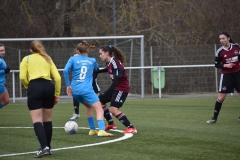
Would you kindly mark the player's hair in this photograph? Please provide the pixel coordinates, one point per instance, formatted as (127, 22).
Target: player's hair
(1, 45)
(227, 35)
(114, 52)
(84, 47)
(37, 47)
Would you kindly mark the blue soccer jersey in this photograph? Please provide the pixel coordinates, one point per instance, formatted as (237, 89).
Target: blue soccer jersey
(2, 71)
(82, 70)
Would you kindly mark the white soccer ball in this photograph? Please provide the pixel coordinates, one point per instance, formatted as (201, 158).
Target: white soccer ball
(71, 127)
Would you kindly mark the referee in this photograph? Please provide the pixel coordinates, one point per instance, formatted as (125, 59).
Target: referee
(35, 72)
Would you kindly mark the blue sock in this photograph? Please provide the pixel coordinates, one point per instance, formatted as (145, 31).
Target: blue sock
(91, 123)
(101, 125)
(1, 105)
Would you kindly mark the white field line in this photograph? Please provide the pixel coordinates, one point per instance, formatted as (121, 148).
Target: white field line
(125, 136)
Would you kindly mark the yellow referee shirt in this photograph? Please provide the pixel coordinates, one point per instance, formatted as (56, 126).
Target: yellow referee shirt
(35, 66)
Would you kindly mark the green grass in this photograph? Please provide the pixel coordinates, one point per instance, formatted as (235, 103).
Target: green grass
(168, 129)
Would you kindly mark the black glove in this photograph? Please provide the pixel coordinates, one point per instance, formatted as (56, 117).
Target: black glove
(7, 70)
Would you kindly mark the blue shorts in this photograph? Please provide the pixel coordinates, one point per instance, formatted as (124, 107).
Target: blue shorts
(86, 96)
(2, 89)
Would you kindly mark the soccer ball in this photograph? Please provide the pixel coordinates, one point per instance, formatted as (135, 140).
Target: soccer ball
(71, 127)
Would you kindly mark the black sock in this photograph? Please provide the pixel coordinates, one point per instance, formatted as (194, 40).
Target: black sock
(48, 129)
(107, 115)
(76, 106)
(217, 109)
(40, 133)
(123, 119)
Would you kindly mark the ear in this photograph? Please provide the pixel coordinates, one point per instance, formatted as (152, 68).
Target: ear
(31, 51)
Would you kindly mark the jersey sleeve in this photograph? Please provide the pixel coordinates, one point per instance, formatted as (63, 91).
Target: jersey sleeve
(114, 83)
(57, 79)
(23, 74)
(218, 61)
(67, 67)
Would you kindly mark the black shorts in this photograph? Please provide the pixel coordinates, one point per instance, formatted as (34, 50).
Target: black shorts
(40, 94)
(228, 82)
(117, 98)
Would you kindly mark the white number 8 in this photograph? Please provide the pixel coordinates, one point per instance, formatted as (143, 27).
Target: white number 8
(83, 72)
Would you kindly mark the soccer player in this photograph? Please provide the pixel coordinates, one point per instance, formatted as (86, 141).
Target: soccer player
(4, 69)
(81, 87)
(227, 59)
(117, 93)
(76, 104)
(35, 74)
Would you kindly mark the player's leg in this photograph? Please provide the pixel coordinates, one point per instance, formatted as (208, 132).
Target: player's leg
(225, 86)
(48, 104)
(90, 120)
(107, 114)
(35, 105)
(76, 114)
(4, 96)
(101, 125)
(117, 101)
(237, 85)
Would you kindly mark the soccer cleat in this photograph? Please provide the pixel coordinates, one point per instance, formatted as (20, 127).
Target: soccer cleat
(43, 152)
(238, 119)
(75, 116)
(130, 130)
(103, 133)
(111, 126)
(92, 132)
(211, 121)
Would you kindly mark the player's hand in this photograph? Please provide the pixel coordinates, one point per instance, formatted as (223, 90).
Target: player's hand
(230, 65)
(101, 95)
(56, 100)
(7, 70)
(69, 91)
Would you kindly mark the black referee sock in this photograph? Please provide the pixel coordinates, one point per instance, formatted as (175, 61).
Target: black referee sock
(48, 130)
(40, 133)
(123, 119)
(218, 106)
(107, 115)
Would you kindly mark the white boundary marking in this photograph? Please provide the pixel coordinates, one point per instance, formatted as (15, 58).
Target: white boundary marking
(125, 136)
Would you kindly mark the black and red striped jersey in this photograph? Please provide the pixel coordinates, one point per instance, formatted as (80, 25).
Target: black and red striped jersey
(225, 56)
(116, 69)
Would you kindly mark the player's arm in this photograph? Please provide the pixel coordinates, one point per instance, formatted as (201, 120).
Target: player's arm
(218, 63)
(23, 76)
(65, 72)
(100, 70)
(117, 74)
(57, 79)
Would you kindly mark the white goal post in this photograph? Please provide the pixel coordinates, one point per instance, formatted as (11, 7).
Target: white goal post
(141, 37)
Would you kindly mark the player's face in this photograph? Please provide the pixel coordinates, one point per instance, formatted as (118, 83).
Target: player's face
(2, 51)
(103, 55)
(224, 40)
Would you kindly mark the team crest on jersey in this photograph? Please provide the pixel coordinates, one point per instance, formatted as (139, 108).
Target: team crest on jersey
(236, 52)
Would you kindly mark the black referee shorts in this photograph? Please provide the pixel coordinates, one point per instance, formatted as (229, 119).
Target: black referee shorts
(228, 82)
(40, 94)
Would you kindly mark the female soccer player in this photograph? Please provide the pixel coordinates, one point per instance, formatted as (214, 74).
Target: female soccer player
(227, 59)
(119, 89)
(76, 104)
(81, 87)
(4, 96)
(35, 72)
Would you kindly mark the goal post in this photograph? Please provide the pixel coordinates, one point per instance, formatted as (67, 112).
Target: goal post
(140, 37)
